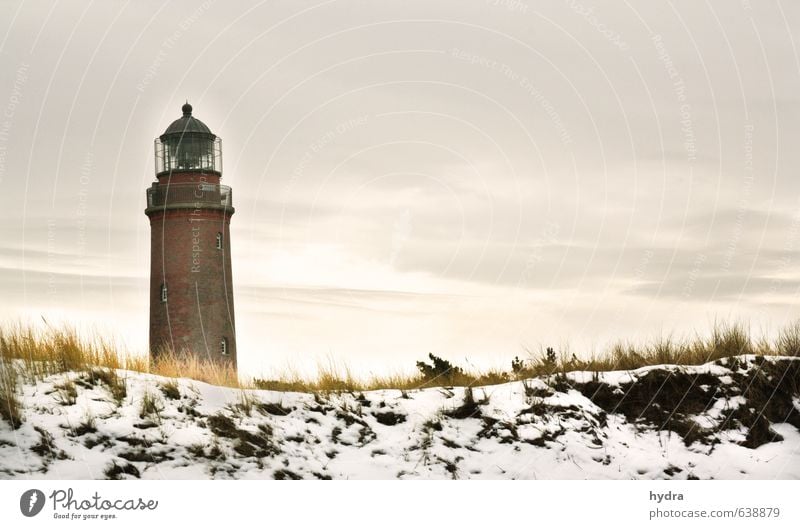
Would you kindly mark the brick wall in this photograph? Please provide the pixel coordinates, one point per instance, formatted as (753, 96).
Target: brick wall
(198, 312)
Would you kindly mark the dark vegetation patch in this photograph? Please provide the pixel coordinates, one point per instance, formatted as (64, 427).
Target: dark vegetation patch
(66, 393)
(389, 418)
(427, 435)
(95, 440)
(134, 441)
(533, 391)
(273, 408)
(669, 399)
(432, 425)
(85, 382)
(547, 436)
(285, 473)
(190, 410)
(246, 443)
(321, 405)
(151, 406)
(116, 471)
(199, 451)
(113, 382)
(449, 443)
(281, 385)
(335, 433)
(365, 433)
(10, 408)
(46, 447)
(593, 423)
(503, 431)
(469, 408)
(171, 390)
(146, 456)
(349, 418)
(451, 466)
(86, 426)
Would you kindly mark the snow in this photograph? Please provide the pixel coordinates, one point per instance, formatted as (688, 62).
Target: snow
(384, 434)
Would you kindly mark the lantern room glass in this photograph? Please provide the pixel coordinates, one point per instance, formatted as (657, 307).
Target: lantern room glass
(188, 152)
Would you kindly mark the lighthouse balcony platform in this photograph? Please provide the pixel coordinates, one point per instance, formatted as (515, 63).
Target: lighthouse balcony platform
(189, 196)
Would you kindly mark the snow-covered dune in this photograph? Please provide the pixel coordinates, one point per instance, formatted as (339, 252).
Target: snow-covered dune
(732, 419)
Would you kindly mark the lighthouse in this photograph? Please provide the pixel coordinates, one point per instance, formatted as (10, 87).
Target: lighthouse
(191, 288)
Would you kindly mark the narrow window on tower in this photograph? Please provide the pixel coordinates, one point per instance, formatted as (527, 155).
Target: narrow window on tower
(219, 241)
(223, 346)
(163, 293)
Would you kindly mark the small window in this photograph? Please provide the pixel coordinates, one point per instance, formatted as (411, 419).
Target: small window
(223, 346)
(163, 293)
(219, 241)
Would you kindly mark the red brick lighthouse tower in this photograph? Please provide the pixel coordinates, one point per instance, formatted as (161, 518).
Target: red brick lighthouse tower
(191, 290)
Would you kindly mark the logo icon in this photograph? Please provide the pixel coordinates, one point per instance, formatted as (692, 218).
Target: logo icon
(31, 502)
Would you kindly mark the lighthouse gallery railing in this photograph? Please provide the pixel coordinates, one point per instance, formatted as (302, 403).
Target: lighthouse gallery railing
(189, 195)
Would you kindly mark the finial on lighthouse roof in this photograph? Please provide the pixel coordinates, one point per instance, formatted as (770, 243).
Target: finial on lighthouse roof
(187, 109)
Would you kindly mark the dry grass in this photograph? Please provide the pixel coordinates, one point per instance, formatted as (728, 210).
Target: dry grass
(170, 389)
(10, 408)
(725, 340)
(115, 384)
(49, 350)
(172, 365)
(150, 407)
(33, 353)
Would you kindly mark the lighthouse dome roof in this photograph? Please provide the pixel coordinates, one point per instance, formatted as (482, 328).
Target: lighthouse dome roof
(187, 124)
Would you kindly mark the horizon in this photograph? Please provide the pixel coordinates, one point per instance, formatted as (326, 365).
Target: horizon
(414, 178)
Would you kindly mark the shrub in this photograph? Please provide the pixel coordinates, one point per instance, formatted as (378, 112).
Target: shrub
(517, 365)
(439, 369)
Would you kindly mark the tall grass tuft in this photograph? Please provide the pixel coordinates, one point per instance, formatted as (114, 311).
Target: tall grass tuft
(174, 365)
(10, 407)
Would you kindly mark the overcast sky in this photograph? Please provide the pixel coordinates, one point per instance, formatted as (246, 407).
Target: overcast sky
(469, 178)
